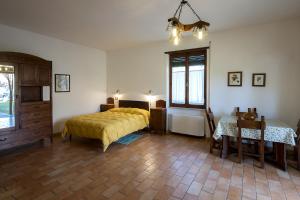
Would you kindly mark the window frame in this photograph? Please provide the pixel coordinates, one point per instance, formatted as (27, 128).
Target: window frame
(186, 53)
(16, 103)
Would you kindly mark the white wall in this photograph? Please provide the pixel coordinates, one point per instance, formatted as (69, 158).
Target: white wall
(87, 67)
(271, 48)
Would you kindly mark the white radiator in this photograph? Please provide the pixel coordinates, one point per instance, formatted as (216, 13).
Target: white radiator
(185, 124)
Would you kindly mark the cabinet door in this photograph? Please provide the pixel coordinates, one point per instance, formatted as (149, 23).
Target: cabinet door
(44, 73)
(28, 74)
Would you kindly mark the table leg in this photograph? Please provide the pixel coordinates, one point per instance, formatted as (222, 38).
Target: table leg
(280, 155)
(225, 149)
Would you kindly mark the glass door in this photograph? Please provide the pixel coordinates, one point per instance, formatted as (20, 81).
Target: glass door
(7, 96)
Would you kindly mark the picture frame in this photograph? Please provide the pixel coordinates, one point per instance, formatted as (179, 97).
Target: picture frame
(235, 79)
(259, 79)
(62, 82)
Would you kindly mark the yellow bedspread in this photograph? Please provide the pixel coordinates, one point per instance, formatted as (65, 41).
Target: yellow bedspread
(107, 126)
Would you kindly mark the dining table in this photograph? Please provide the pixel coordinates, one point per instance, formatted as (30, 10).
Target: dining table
(277, 132)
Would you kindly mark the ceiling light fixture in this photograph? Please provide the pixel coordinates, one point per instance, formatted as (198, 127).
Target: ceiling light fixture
(176, 28)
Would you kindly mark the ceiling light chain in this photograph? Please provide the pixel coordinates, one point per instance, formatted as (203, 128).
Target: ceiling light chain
(189, 5)
(179, 15)
(179, 7)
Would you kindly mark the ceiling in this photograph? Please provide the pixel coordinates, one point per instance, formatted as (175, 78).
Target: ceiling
(113, 24)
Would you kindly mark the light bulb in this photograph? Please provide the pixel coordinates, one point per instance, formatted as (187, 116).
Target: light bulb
(200, 34)
(174, 32)
(176, 41)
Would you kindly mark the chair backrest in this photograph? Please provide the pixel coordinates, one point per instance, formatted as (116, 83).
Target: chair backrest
(160, 104)
(238, 113)
(211, 121)
(110, 100)
(252, 124)
(249, 116)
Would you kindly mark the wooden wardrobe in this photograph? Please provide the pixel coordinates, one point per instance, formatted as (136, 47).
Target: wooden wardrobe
(33, 100)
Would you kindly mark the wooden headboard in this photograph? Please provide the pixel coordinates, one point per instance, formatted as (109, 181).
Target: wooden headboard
(134, 104)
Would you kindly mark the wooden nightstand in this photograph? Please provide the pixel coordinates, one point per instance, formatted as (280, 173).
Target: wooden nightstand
(158, 119)
(105, 107)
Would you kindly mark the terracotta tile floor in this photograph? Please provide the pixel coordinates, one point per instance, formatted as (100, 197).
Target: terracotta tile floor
(153, 167)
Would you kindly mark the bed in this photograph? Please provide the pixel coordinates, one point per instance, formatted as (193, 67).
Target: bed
(111, 125)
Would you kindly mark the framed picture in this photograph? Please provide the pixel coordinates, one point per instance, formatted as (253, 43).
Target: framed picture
(235, 79)
(62, 83)
(259, 80)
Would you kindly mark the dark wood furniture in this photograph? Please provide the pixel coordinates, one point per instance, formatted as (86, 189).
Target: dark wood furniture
(134, 104)
(278, 156)
(160, 104)
(249, 123)
(238, 113)
(295, 160)
(106, 107)
(158, 120)
(214, 144)
(252, 112)
(33, 113)
(110, 100)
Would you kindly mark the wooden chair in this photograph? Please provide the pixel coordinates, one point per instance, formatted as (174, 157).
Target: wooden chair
(248, 123)
(297, 147)
(214, 144)
(238, 113)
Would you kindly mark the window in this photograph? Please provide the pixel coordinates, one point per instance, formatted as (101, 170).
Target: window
(188, 78)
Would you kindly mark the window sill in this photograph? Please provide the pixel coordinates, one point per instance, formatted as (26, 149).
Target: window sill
(187, 106)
